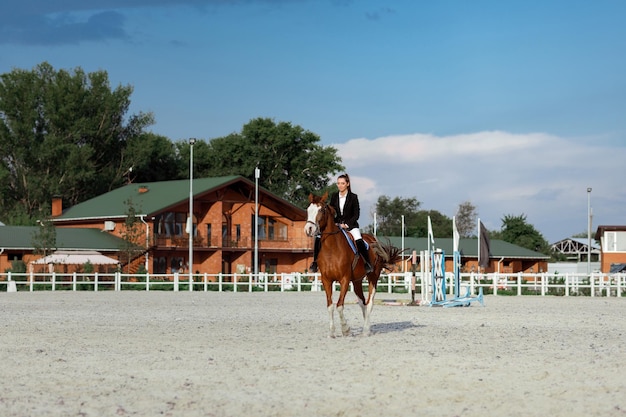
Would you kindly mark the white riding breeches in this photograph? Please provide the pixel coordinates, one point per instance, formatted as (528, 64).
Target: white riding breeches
(356, 233)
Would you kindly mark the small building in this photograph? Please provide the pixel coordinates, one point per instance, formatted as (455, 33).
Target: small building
(613, 248)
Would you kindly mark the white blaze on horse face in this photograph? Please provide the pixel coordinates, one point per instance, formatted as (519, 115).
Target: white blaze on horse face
(310, 228)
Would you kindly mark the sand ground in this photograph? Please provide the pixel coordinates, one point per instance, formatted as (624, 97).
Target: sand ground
(269, 354)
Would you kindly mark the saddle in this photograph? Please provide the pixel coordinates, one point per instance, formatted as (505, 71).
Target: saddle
(352, 244)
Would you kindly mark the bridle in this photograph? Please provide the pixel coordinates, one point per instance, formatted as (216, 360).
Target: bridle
(321, 212)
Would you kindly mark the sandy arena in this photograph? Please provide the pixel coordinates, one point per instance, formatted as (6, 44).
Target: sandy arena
(268, 354)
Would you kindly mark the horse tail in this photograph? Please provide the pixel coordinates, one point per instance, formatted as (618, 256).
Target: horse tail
(388, 254)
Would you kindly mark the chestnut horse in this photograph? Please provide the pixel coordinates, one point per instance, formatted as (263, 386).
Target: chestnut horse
(338, 262)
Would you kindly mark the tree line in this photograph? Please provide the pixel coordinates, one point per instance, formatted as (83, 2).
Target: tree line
(69, 134)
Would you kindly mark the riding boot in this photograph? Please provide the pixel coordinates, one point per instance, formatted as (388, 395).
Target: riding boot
(365, 254)
(316, 250)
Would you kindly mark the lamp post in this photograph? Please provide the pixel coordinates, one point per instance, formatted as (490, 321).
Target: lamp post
(403, 243)
(589, 231)
(257, 174)
(192, 141)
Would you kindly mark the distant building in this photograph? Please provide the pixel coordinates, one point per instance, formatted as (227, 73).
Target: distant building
(504, 257)
(613, 248)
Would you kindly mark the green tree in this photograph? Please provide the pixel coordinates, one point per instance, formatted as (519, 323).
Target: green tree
(291, 162)
(389, 214)
(45, 238)
(466, 219)
(131, 234)
(149, 158)
(442, 224)
(61, 133)
(516, 230)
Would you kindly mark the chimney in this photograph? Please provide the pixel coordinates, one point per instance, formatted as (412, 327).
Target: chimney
(57, 206)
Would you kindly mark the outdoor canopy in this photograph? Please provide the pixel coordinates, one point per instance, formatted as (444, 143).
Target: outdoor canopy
(76, 258)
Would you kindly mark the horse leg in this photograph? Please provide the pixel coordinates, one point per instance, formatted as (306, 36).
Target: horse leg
(358, 290)
(368, 308)
(328, 289)
(345, 329)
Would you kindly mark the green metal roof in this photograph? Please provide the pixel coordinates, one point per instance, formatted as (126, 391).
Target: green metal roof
(160, 196)
(467, 247)
(21, 237)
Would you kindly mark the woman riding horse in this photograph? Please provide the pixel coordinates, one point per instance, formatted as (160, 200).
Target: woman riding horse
(347, 212)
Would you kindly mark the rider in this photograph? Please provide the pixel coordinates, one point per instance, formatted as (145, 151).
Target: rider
(347, 211)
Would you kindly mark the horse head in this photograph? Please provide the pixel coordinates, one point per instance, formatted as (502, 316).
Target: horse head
(315, 214)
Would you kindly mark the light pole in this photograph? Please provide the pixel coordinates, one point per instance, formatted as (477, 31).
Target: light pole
(257, 174)
(192, 141)
(589, 231)
(403, 243)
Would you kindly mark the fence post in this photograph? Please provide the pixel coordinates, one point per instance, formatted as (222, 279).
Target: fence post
(204, 280)
(591, 285)
(54, 280)
(219, 280)
(95, 282)
(32, 281)
(190, 281)
(176, 278)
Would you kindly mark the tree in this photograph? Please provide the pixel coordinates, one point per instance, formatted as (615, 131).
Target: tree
(150, 158)
(131, 234)
(442, 224)
(389, 214)
(291, 162)
(516, 230)
(466, 219)
(62, 134)
(45, 238)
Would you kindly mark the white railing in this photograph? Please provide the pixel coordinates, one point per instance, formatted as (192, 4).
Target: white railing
(505, 284)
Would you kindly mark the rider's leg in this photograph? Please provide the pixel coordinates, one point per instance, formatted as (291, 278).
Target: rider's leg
(365, 254)
(316, 250)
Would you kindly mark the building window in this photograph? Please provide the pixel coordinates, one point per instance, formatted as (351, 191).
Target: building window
(270, 229)
(614, 242)
(271, 265)
(159, 265)
(171, 224)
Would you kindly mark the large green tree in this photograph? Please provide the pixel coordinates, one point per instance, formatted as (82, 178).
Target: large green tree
(291, 161)
(61, 133)
(389, 212)
(516, 230)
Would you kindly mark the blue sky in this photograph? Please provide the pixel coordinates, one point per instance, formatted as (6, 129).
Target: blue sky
(516, 106)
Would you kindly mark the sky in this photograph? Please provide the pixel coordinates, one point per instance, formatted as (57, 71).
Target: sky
(516, 106)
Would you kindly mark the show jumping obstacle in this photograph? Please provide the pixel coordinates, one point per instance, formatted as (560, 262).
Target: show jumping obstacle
(339, 261)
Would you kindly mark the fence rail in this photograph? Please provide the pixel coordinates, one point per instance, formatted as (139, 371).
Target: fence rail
(594, 285)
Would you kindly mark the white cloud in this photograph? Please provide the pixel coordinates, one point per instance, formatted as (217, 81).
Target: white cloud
(542, 176)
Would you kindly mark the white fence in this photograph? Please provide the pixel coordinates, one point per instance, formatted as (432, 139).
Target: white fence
(597, 284)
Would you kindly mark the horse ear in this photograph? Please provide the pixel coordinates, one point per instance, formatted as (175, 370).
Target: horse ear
(310, 197)
(325, 196)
